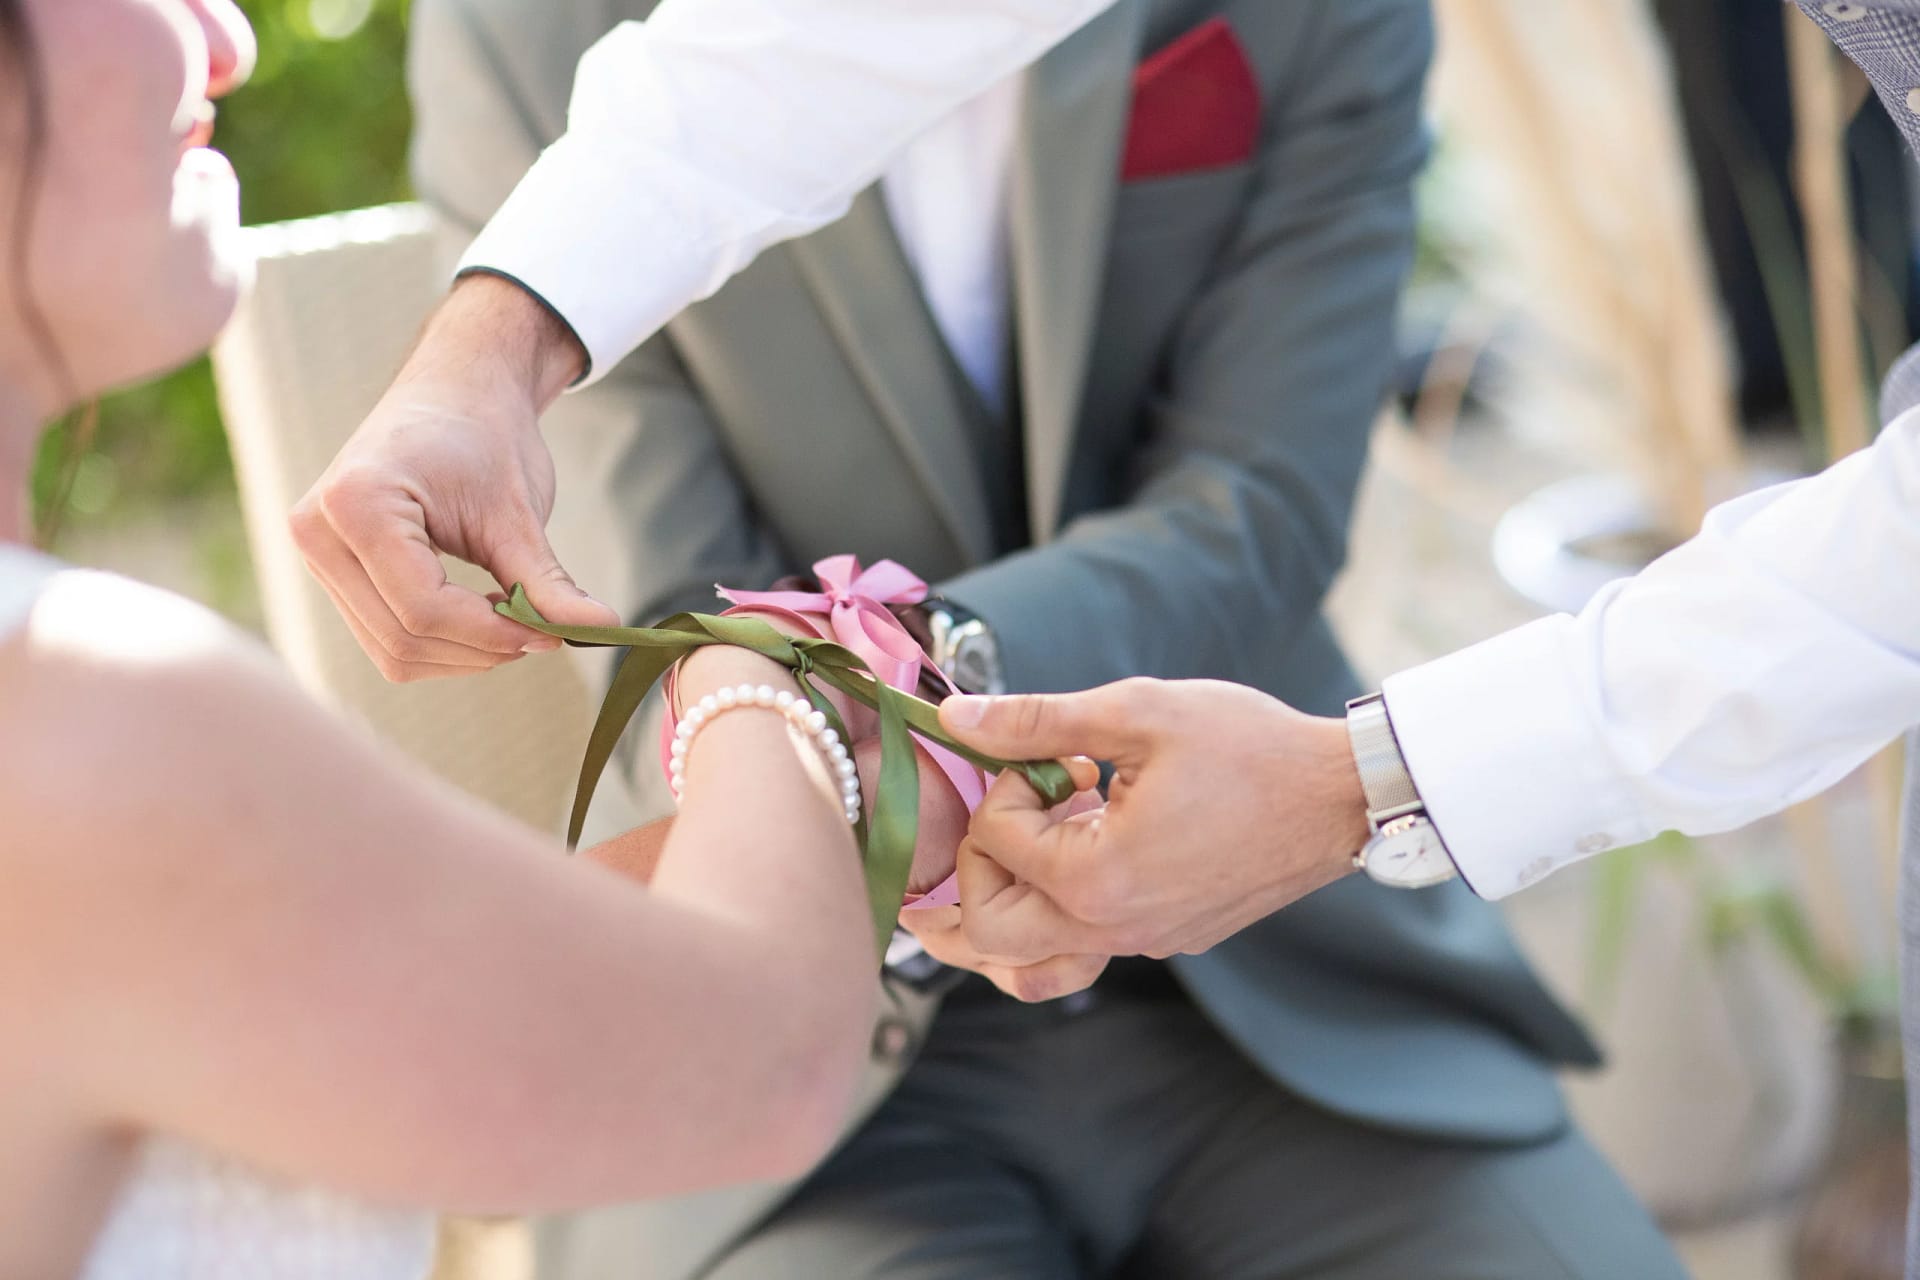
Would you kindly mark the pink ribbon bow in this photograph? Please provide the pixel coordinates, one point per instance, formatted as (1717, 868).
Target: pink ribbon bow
(855, 602)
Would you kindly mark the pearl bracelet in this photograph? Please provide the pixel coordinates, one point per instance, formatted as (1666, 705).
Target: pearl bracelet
(799, 713)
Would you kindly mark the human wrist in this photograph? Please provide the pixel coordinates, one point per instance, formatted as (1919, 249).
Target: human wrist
(496, 338)
(1334, 779)
(829, 762)
(719, 666)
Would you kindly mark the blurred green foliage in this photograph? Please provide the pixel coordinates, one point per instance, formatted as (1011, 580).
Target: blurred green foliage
(321, 126)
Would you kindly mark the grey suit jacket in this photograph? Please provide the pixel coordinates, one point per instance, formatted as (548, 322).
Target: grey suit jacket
(1201, 359)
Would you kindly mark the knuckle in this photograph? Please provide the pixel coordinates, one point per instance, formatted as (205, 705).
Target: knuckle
(398, 656)
(1086, 971)
(551, 572)
(1137, 696)
(416, 620)
(407, 648)
(986, 935)
(944, 947)
(338, 497)
(1030, 716)
(1102, 896)
(992, 827)
(1077, 898)
(981, 821)
(1082, 900)
(306, 523)
(1033, 986)
(1135, 938)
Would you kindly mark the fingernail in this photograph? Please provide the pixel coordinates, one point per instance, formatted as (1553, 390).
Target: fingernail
(545, 644)
(965, 711)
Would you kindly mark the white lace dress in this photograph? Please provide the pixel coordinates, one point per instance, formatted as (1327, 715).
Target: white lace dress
(187, 1214)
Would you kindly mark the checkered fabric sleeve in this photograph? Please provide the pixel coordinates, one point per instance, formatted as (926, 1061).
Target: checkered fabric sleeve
(1883, 36)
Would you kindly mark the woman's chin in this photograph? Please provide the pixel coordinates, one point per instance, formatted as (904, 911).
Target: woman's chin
(192, 314)
(206, 208)
(200, 272)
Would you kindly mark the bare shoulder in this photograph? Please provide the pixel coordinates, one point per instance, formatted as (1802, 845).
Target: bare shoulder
(112, 690)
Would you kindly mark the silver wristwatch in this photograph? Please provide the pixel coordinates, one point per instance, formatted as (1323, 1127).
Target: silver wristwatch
(964, 647)
(1406, 851)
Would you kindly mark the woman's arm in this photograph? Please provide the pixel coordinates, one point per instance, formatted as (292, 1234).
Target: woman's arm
(241, 922)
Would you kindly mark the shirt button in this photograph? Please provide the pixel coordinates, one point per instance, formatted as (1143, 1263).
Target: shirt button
(1533, 873)
(1913, 101)
(1598, 842)
(1840, 11)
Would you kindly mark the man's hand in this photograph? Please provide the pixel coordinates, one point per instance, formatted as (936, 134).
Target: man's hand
(942, 931)
(1225, 806)
(451, 460)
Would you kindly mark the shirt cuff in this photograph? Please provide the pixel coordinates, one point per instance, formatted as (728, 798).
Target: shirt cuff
(1500, 744)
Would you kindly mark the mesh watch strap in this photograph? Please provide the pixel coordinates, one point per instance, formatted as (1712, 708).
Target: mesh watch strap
(1383, 771)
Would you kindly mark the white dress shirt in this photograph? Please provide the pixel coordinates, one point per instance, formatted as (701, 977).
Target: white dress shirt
(1751, 668)
(947, 198)
(657, 194)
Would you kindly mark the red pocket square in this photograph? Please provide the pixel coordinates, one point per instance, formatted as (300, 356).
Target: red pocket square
(1196, 105)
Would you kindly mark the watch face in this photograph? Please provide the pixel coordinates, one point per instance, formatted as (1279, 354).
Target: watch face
(975, 665)
(1407, 854)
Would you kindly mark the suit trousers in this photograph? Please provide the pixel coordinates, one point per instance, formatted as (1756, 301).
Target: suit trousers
(1118, 1134)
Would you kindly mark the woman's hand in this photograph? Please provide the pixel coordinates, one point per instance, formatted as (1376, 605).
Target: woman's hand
(943, 816)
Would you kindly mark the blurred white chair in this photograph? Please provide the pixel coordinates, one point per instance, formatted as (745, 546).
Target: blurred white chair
(338, 302)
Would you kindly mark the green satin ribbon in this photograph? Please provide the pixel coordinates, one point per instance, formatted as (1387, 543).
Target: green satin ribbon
(888, 826)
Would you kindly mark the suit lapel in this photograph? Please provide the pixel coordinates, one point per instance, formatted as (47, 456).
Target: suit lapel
(866, 291)
(1066, 173)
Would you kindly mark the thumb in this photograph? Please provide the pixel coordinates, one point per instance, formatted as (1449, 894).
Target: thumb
(1114, 722)
(527, 558)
